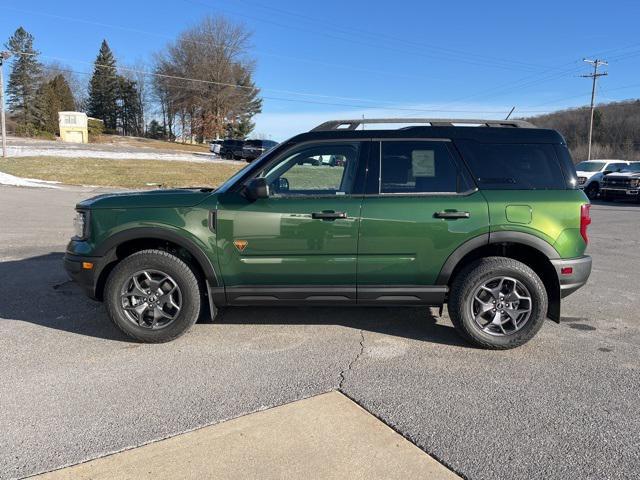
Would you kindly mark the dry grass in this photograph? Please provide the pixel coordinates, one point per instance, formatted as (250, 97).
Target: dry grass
(138, 142)
(120, 173)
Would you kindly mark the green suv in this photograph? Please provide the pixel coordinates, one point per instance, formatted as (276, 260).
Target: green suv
(484, 216)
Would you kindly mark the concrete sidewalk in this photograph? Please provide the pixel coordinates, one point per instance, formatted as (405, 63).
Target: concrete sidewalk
(322, 437)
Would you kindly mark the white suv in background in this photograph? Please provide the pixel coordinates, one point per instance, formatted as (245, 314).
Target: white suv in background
(591, 172)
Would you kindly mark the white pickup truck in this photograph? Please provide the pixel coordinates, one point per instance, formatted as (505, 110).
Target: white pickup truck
(591, 172)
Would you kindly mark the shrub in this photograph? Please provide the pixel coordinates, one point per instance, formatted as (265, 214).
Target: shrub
(95, 127)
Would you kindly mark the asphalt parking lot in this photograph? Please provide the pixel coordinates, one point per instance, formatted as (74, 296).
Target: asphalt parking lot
(73, 388)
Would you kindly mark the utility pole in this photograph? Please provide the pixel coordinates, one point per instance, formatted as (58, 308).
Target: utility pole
(594, 76)
(3, 56)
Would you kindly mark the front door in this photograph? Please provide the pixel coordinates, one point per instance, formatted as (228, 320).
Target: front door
(299, 245)
(420, 206)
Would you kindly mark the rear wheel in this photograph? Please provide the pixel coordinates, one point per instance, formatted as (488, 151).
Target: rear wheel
(498, 303)
(152, 296)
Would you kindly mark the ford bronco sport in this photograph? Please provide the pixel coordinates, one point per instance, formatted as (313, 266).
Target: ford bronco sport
(484, 216)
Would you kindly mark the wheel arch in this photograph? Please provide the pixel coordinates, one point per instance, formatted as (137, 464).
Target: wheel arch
(526, 248)
(123, 244)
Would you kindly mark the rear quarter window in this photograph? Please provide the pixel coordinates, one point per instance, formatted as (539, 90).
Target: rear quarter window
(514, 166)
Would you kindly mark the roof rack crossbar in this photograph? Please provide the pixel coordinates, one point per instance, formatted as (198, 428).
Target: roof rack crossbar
(434, 122)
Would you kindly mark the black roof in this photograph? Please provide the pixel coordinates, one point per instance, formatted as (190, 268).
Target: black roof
(479, 134)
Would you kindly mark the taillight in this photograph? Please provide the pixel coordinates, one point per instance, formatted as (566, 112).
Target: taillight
(585, 221)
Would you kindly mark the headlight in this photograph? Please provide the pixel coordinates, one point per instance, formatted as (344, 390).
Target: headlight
(81, 224)
(634, 182)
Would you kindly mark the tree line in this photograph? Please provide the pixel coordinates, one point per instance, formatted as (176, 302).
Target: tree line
(198, 87)
(615, 130)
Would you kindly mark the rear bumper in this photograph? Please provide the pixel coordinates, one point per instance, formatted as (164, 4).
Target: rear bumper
(580, 269)
(87, 278)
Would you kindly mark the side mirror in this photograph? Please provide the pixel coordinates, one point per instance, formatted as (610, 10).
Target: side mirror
(256, 188)
(283, 184)
(607, 172)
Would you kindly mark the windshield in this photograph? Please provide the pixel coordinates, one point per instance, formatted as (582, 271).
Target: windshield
(633, 167)
(236, 176)
(590, 166)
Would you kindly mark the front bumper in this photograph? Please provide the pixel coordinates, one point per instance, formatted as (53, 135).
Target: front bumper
(620, 192)
(580, 269)
(87, 278)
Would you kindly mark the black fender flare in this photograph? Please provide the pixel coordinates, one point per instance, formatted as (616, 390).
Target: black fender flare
(108, 246)
(493, 238)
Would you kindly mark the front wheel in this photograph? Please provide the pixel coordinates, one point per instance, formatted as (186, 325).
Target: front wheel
(592, 190)
(152, 296)
(498, 303)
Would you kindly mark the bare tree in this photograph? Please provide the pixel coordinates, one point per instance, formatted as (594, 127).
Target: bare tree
(77, 84)
(205, 78)
(138, 73)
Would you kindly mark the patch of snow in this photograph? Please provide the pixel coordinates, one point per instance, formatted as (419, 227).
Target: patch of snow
(136, 154)
(6, 179)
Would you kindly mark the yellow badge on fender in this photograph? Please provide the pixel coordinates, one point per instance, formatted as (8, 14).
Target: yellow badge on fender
(240, 244)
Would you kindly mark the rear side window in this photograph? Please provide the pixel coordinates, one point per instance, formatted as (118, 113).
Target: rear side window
(417, 167)
(514, 166)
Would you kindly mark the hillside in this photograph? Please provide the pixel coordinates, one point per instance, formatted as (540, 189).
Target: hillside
(616, 129)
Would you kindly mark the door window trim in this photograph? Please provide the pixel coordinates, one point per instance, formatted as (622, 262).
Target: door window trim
(455, 157)
(363, 156)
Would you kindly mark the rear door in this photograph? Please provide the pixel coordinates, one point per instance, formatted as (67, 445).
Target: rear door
(300, 243)
(420, 206)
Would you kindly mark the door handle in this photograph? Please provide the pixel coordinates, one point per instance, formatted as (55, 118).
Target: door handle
(451, 214)
(328, 215)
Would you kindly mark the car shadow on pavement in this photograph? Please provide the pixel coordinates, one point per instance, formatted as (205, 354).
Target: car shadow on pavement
(417, 323)
(37, 290)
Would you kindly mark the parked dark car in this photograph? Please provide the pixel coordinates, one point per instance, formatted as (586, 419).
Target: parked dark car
(231, 149)
(622, 184)
(253, 149)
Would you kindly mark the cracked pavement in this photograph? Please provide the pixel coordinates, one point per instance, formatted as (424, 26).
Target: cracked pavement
(73, 388)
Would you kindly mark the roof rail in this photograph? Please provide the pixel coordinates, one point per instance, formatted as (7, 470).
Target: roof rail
(434, 122)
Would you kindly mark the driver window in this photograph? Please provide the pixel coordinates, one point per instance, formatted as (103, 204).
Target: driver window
(322, 169)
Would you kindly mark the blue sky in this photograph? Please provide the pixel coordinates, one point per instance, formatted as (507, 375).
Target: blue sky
(353, 58)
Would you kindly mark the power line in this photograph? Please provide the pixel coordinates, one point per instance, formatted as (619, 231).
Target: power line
(211, 44)
(378, 34)
(594, 76)
(466, 59)
(371, 107)
(498, 90)
(285, 92)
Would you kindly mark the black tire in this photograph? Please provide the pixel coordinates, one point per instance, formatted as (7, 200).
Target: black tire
(180, 273)
(229, 156)
(471, 278)
(592, 190)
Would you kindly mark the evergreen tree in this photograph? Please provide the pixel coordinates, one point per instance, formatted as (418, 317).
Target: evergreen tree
(155, 130)
(129, 107)
(53, 96)
(25, 77)
(103, 89)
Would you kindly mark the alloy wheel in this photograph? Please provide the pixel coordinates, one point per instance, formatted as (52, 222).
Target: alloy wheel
(151, 299)
(501, 306)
